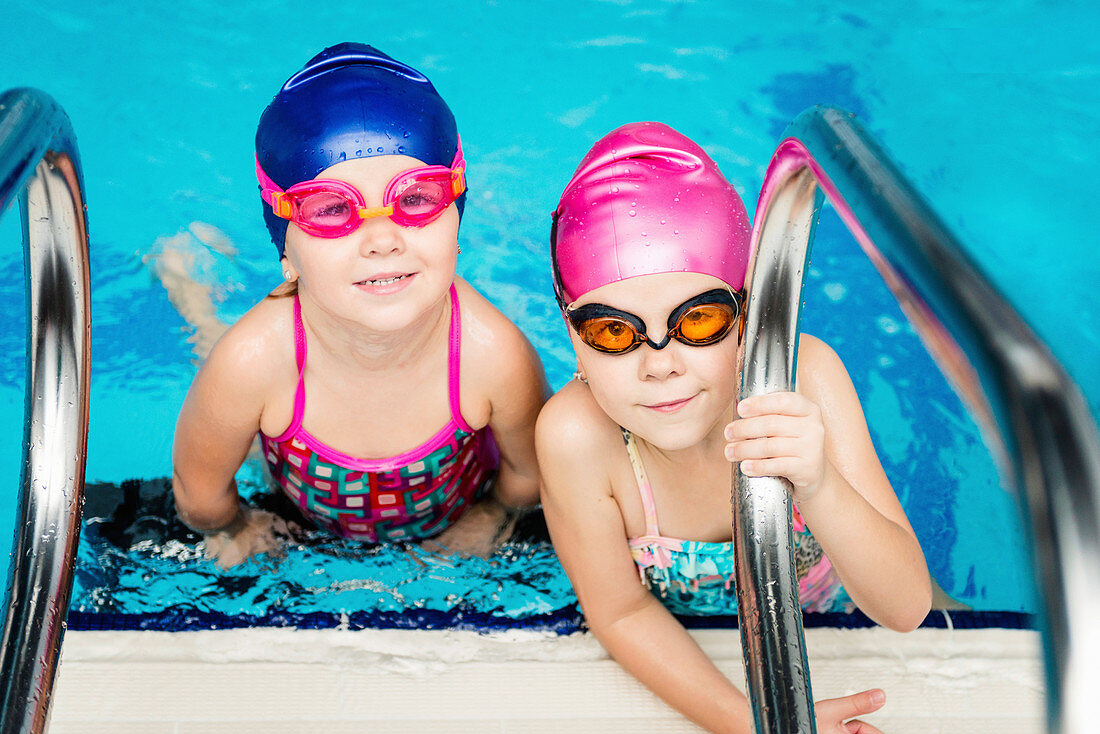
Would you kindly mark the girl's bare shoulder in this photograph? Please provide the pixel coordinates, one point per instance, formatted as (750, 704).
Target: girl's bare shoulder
(249, 366)
(497, 358)
(823, 378)
(487, 333)
(259, 348)
(573, 427)
(818, 363)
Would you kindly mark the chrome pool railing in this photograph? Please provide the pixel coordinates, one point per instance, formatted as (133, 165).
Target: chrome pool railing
(769, 614)
(1032, 414)
(39, 164)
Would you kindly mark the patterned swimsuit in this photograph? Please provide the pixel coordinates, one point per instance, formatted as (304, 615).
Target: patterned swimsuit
(415, 495)
(696, 577)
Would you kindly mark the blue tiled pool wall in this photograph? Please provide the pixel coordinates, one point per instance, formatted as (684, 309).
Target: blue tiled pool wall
(564, 621)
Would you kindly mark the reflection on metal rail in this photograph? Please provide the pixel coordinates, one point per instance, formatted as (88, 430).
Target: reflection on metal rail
(40, 165)
(1031, 413)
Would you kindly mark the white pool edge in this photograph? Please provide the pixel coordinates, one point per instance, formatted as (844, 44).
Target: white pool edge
(286, 680)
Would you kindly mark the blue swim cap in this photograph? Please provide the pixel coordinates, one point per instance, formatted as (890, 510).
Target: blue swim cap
(351, 101)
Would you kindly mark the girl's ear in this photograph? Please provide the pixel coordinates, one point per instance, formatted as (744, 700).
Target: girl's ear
(579, 374)
(290, 275)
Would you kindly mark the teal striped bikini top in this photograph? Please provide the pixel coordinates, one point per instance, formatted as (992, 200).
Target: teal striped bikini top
(696, 577)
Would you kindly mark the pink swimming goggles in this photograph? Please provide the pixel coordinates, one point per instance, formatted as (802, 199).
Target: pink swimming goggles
(330, 209)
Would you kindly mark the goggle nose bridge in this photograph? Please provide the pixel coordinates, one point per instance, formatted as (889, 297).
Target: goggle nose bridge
(377, 211)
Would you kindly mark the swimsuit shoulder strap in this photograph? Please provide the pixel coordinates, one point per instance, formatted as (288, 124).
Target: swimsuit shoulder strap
(644, 488)
(454, 363)
(300, 360)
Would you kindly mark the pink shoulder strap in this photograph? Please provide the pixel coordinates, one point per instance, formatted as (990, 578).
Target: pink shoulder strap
(454, 362)
(644, 490)
(300, 360)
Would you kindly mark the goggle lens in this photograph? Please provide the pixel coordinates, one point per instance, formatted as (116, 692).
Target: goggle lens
(325, 211)
(608, 334)
(420, 198)
(706, 324)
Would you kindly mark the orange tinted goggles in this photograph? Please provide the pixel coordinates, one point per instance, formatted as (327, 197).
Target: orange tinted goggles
(705, 319)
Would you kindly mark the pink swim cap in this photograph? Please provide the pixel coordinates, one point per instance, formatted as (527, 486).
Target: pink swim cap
(646, 200)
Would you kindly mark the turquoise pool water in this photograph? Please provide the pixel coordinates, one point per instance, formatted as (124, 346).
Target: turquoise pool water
(989, 107)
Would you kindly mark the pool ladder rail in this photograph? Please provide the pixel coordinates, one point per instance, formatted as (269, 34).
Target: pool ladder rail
(1032, 414)
(39, 163)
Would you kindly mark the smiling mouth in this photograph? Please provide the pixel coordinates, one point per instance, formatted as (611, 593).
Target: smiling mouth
(385, 281)
(671, 406)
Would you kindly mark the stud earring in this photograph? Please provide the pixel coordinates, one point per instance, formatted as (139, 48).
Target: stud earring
(578, 375)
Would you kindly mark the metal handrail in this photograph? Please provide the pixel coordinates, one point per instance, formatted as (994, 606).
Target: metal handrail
(40, 164)
(1031, 412)
(770, 616)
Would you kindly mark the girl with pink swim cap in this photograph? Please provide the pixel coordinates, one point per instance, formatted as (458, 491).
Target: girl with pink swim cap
(650, 247)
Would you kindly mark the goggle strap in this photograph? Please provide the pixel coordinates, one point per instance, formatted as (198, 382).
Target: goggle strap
(458, 171)
(458, 161)
(271, 192)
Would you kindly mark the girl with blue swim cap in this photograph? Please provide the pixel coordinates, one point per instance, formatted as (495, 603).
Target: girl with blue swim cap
(392, 401)
(650, 248)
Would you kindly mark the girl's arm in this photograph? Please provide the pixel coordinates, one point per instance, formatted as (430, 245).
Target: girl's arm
(507, 370)
(590, 539)
(216, 426)
(518, 394)
(818, 439)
